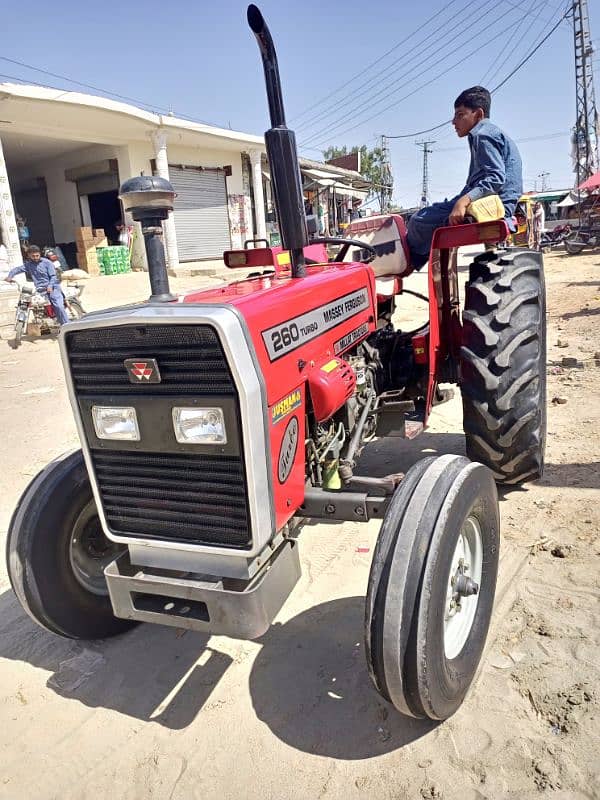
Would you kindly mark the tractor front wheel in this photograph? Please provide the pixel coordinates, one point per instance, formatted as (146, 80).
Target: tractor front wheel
(432, 585)
(56, 554)
(503, 365)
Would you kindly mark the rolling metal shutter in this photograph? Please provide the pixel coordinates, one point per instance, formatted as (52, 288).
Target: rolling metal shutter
(201, 218)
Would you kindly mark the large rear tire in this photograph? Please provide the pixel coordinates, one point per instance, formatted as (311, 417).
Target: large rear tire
(503, 365)
(432, 585)
(56, 553)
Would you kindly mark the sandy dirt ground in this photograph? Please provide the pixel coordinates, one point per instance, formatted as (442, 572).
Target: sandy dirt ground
(161, 713)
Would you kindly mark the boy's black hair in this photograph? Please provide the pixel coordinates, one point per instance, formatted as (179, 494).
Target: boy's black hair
(33, 248)
(474, 98)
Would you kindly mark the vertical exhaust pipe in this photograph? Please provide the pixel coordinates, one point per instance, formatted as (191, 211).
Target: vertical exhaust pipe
(282, 153)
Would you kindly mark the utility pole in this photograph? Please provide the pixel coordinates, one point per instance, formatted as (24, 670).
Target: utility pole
(424, 144)
(585, 135)
(542, 176)
(387, 181)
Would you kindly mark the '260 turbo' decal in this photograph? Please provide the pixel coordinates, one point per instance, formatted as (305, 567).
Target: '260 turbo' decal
(281, 339)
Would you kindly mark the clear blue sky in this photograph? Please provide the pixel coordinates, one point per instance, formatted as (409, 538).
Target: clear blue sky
(200, 59)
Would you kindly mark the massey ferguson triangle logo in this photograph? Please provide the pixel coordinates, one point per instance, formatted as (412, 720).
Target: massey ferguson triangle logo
(142, 371)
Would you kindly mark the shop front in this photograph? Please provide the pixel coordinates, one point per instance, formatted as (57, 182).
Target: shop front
(64, 155)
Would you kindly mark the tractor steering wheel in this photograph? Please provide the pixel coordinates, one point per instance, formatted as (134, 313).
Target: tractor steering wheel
(346, 244)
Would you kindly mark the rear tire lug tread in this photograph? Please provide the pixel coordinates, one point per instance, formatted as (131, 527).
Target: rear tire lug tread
(503, 384)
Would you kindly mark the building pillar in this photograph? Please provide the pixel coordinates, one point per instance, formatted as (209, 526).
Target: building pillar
(8, 221)
(259, 195)
(159, 140)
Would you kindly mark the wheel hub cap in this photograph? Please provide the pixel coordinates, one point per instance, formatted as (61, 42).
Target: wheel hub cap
(90, 552)
(462, 594)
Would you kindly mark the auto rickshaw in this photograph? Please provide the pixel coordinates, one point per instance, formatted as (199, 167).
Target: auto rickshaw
(523, 236)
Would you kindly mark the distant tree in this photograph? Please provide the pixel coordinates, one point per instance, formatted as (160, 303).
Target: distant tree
(372, 168)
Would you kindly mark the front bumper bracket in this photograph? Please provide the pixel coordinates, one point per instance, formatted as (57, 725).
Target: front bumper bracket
(230, 607)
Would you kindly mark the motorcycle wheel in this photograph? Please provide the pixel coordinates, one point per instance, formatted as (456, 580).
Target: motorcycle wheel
(573, 248)
(75, 309)
(19, 328)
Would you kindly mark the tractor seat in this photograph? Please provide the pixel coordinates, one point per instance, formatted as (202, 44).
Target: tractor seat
(387, 235)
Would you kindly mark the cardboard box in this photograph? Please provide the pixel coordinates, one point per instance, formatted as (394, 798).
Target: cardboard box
(88, 260)
(84, 235)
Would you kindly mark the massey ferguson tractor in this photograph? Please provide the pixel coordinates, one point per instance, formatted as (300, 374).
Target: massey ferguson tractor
(214, 424)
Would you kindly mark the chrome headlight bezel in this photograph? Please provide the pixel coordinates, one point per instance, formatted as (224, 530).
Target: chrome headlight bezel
(100, 415)
(212, 418)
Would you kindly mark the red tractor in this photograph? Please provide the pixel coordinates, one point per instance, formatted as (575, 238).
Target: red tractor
(214, 425)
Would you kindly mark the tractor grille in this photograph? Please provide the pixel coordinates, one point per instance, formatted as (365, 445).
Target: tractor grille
(191, 498)
(190, 358)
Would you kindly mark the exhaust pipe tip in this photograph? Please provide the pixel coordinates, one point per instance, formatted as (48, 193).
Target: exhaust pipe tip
(255, 19)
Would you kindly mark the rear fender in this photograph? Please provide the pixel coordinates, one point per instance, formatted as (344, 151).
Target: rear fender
(444, 305)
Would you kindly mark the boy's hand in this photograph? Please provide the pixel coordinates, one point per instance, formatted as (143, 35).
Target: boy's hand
(457, 215)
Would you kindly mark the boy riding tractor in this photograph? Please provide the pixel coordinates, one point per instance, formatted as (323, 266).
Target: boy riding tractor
(214, 425)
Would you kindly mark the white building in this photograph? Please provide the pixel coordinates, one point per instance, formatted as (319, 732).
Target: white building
(63, 156)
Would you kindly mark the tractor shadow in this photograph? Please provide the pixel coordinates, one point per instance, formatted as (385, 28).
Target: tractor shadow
(572, 476)
(309, 682)
(583, 312)
(310, 685)
(390, 454)
(133, 674)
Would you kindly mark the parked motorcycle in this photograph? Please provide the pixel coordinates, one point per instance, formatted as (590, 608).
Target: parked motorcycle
(580, 238)
(555, 237)
(34, 306)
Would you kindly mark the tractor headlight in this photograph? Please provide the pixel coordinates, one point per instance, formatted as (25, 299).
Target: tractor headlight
(199, 425)
(116, 422)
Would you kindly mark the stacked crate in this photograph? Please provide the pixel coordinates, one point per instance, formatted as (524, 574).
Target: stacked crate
(88, 239)
(114, 260)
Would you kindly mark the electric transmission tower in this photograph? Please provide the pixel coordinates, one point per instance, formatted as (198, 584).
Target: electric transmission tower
(542, 176)
(585, 132)
(387, 181)
(423, 143)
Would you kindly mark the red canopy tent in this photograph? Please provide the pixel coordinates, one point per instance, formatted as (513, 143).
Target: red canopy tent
(593, 182)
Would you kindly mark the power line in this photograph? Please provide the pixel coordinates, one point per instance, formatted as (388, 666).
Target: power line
(540, 138)
(495, 89)
(520, 10)
(404, 58)
(509, 51)
(416, 69)
(373, 63)
(418, 88)
(535, 49)
(85, 86)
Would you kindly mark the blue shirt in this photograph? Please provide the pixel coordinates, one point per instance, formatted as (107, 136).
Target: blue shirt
(495, 166)
(43, 274)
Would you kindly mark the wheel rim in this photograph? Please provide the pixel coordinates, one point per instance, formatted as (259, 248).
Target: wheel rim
(464, 586)
(90, 552)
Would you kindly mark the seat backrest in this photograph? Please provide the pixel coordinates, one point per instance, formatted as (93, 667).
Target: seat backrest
(386, 233)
